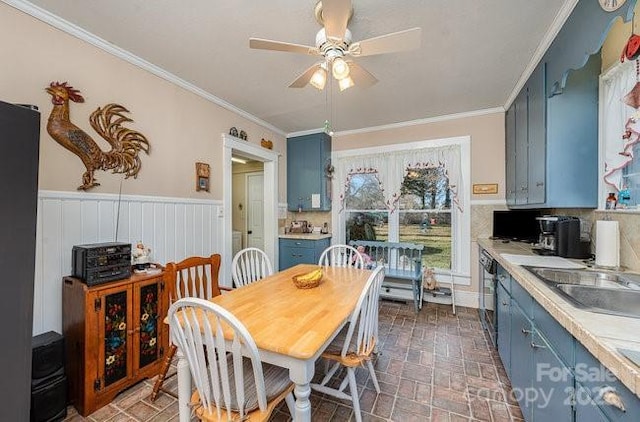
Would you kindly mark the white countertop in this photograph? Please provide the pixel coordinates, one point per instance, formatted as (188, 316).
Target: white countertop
(601, 334)
(305, 236)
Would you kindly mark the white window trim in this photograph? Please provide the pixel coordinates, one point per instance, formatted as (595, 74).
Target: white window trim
(461, 221)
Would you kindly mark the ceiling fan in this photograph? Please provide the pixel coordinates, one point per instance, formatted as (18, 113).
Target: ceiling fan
(334, 44)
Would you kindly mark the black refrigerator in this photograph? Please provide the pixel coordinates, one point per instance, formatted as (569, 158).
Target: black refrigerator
(19, 149)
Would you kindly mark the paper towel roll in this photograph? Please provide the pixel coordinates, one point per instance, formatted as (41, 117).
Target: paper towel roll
(607, 244)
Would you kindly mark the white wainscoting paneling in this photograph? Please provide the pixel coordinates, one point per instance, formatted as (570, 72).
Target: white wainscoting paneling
(174, 228)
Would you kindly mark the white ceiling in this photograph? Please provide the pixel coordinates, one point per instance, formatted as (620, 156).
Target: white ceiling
(473, 53)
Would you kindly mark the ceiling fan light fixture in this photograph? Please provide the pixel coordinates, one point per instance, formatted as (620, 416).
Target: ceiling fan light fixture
(345, 83)
(340, 68)
(319, 78)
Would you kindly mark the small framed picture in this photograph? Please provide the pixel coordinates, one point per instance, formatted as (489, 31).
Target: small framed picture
(202, 176)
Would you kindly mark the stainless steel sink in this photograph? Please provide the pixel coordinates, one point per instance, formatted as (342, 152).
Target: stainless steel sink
(606, 279)
(609, 301)
(608, 292)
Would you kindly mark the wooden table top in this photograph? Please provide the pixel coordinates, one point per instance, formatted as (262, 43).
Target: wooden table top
(296, 322)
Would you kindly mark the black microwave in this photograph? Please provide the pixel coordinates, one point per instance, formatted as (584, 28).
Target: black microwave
(516, 225)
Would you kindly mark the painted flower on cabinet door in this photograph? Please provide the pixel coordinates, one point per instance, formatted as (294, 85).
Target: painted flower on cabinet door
(115, 337)
(148, 324)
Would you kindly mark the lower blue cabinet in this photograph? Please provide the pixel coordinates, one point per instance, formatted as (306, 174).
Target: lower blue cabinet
(586, 409)
(521, 359)
(301, 251)
(553, 377)
(503, 309)
(553, 382)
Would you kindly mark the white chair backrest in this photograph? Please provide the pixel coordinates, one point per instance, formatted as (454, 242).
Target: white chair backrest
(249, 265)
(362, 335)
(195, 323)
(196, 277)
(341, 256)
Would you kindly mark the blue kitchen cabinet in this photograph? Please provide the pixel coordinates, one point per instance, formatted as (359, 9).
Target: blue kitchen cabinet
(553, 383)
(586, 409)
(301, 251)
(596, 380)
(521, 357)
(552, 375)
(308, 158)
(525, 145)
(510, 153)
(552, 150)
(551, 129)
(503, 309)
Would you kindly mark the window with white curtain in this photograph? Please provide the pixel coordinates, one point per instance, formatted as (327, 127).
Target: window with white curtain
(620, 135)
(411, 192)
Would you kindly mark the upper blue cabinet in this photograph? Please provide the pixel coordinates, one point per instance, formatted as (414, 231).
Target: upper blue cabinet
(308, 159)
(552, 126)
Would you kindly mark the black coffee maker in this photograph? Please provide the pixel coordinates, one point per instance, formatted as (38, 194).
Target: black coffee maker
(560, 235)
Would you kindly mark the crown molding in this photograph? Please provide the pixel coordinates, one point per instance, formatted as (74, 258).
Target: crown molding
(556, 25)
(84, 35)
(418, 122)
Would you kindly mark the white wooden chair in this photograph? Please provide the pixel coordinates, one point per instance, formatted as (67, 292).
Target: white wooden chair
(249, 265)
(357, 346)
(341, 256)
(192, 277)
(229, 386)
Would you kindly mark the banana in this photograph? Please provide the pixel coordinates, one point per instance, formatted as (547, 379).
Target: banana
(311, 276)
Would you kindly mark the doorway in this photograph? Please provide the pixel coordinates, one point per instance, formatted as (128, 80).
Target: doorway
(255, 210)
(235, 147)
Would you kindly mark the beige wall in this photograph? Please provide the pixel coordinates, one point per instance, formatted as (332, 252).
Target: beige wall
(616, 40)
(182, 127)
(487, 144)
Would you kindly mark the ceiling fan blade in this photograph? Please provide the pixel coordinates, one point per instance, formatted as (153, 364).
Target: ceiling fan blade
(408, 39)
(302, 80)
(263, 44)
(361, 77)
(335, 16)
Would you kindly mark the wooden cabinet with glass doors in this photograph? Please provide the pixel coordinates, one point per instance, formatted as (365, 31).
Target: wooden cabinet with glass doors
(114, 336)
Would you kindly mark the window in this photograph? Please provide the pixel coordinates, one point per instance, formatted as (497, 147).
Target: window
(407, 193)
(425, 214)
(620, 127)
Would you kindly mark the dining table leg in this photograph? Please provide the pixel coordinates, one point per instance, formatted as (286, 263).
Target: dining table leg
(184, 387)
(301, 376)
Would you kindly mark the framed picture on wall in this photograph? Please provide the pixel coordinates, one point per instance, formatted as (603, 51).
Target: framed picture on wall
(202, 176)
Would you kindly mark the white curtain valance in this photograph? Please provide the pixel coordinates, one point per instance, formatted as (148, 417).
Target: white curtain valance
(390, 168)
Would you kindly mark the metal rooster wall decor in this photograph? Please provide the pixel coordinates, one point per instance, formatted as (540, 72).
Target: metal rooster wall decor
(107, 121)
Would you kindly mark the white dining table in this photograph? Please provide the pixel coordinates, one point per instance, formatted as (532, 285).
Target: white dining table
(291, 326)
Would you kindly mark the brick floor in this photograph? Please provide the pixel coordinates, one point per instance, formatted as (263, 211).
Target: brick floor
(431, 366)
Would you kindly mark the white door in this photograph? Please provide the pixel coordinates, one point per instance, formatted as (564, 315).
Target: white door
(255, 210)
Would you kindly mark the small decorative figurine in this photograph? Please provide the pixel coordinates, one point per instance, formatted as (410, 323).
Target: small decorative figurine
(243, 135)
(141, 256)
(624, 197)
(428, 278)
(233, 132)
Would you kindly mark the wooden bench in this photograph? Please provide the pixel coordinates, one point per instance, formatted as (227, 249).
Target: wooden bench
(402, 268)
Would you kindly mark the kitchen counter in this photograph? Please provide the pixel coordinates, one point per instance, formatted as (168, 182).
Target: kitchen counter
(305, 236)
(600, 334)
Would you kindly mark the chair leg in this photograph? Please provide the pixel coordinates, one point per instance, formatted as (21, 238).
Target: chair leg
(374, 379)
(157, 386)
(355, 398)
(291, 404)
